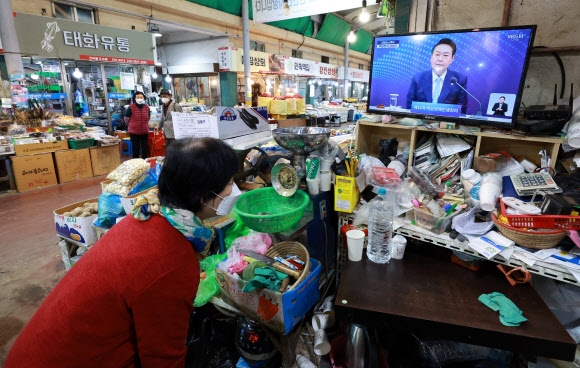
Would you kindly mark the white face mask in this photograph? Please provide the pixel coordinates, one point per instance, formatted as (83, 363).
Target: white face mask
(165, 100)
(228, 202)
(140, 101)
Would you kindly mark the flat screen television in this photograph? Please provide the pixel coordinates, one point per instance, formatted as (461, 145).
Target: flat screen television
(472, 76)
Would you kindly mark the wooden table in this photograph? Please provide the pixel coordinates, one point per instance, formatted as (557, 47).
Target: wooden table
(426, 294)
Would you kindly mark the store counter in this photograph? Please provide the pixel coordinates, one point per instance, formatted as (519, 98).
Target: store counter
(427, 295)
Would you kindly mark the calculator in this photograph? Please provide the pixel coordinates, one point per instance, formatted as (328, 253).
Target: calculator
(527, 184)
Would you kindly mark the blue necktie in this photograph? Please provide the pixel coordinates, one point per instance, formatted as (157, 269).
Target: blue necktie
(437, 90)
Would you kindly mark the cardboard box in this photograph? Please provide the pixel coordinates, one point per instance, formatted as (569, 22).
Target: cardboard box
(33, 171)
(105, 159)
(73, 165)
(279, 311)
(79, 229)
(71, 253)
(345, 194)
(35, 148)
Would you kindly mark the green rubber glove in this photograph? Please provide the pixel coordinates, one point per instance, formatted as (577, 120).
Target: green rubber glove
(509, 313)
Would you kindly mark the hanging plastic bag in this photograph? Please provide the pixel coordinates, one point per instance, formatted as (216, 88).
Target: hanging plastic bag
(237, 230)
(208, 286)
(110, 208)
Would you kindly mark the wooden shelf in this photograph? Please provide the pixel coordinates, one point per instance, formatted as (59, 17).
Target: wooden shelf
(517, 145)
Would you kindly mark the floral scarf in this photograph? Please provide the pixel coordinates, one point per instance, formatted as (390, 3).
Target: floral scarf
(199, 233)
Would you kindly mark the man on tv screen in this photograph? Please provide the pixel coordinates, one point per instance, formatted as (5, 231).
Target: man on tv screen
(435, 85)
(500, 108)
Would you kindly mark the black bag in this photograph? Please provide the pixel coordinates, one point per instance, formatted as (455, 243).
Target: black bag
(387, 148)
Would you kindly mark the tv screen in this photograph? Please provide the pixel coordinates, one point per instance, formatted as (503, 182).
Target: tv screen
(473, 77)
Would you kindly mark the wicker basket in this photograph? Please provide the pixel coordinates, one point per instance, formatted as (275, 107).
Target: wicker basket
(292, 248)
(536, 239)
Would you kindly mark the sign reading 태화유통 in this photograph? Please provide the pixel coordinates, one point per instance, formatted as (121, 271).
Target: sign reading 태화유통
(64, 39)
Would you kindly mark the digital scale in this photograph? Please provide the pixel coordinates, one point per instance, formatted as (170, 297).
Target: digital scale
(527, 184)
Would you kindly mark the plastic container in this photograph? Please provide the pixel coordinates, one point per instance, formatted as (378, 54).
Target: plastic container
(473, 176)
(81, 143)
(264, 210)
(541, 221)
(435, 224)
(491, 162)
(380, 228)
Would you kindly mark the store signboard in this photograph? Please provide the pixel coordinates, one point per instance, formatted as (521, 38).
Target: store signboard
(324, 70)
(47, 96)
(354, 75)
(64, 39)
(231, 59)
(294, 66)
(127, 81)
(271, 10)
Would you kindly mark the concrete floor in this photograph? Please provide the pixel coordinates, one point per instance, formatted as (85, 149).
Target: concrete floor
(30, 259)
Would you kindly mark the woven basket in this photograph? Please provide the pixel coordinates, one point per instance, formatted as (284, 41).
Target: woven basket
(292, 248)
(536, 239)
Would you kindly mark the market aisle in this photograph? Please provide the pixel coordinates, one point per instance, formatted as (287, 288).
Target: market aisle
(30, 259)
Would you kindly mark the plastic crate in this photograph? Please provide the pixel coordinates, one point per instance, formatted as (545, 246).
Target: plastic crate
(435, 224)
(541, 221)
(73, 127)
(81, 143)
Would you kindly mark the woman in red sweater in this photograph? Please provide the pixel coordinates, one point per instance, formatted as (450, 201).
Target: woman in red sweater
(137, 119)
(127, 301)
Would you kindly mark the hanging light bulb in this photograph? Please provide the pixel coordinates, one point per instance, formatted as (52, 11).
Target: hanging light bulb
(34, 76)
(286, 8)
(364, 15)
(168, 78)
(154, 75)
(77, 73)
(351, 37)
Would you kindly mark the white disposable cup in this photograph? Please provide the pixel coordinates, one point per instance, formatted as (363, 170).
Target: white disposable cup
(399, 245)
(321, 321)
(397, 166)
(303, 362)
(325, 181)
(528, 166)
(325, 164)
(321, 344)
(354, 241)
(488, 195)
(492, 177)
(313, 185)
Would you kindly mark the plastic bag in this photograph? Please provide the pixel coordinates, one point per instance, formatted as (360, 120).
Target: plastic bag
(151, 180)
(208, 286)
(235, 263)
(255, 241)
(130, 172)
(110, 208)
(238, 229)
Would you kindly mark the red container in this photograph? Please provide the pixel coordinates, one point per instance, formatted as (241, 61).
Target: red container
(156, 143)
(541, 221)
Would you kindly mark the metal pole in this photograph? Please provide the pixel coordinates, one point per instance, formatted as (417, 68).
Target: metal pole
(346, 48)
(107, 107)
(10, 41)
(69, 109)
(246, 39)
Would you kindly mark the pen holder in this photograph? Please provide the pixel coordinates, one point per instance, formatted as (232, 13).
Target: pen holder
(345, 194)
(435, 224)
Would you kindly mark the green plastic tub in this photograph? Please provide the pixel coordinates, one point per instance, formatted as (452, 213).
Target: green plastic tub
(266, 211)
(81, 143)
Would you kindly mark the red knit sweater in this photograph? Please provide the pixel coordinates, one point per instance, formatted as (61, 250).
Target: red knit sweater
(127, 300)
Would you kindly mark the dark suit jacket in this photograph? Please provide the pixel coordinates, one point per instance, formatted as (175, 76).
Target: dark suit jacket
(422, 89)
(504, 109)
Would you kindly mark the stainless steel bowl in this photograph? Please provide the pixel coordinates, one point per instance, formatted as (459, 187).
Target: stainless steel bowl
(301, 140)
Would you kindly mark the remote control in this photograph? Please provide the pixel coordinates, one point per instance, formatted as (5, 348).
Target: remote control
(521, 206)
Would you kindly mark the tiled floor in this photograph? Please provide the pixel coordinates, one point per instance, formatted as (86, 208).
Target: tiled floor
(30, 259)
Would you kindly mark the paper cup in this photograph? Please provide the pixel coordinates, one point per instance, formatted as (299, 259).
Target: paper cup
(303, 362)
(399, 245)
(573, 134)
(325, 164)
(488, 195)
(321, 321)
(321, 344)
(528, 166)
(325, 181)
(354, 241)
(397, 166)
(313, 185)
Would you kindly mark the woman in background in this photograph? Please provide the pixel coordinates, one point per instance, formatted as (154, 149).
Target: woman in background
(137, 119)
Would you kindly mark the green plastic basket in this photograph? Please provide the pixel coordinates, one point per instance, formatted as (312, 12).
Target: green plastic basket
(266, 211)
(81, 143)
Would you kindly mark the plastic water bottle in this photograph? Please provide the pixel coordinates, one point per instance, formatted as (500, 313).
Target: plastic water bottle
(380, 228)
